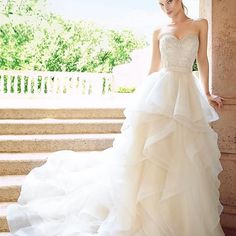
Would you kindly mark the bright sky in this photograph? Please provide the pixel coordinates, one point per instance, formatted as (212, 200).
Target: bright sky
(142, 16)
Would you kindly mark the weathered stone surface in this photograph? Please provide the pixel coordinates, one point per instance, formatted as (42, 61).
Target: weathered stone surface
(222, 59)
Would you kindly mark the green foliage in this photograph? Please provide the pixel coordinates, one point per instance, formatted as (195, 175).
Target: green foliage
(13, 42)
(23, 7)
(195, 68)
(126, 89)
(32, 40)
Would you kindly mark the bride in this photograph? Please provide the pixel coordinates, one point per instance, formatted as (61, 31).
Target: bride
(160, 177)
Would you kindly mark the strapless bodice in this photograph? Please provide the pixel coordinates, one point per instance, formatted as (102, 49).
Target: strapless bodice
(178, 54)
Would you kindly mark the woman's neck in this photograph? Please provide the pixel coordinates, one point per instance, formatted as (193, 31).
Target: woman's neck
(178, 19)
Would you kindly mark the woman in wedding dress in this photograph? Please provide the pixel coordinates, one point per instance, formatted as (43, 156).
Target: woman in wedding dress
(160, 177)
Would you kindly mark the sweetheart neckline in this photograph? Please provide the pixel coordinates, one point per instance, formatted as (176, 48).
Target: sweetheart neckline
(179, 39)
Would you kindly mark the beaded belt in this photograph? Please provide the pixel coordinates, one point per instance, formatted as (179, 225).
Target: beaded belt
(176, 68)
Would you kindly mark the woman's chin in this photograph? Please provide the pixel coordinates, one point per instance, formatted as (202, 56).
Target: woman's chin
(170, 15)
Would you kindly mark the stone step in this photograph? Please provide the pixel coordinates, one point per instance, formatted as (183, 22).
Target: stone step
(55, 142)
(60, 126)
(61, 113)
(3, 221)
(10, 186)
(22, 163)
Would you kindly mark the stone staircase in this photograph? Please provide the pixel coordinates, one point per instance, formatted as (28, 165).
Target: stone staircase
(29, 135)
(30, 132)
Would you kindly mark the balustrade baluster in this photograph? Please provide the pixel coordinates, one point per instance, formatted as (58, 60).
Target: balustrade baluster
(1, 83)
(8, 84)
(35, 83)
(22, 84)
(42, 85)
(15, 84)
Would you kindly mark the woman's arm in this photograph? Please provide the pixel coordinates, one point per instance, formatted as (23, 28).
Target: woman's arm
(155, 59)
(202, 59)
(203, 64)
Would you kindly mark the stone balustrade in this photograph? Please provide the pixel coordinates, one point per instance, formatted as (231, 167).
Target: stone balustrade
(43, 83)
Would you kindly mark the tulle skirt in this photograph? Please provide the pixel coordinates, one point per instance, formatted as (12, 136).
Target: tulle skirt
(159, 178)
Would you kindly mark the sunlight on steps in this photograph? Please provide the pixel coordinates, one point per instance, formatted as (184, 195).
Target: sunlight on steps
(30, 131)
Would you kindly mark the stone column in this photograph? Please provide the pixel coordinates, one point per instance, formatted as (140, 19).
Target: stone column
(222, 18)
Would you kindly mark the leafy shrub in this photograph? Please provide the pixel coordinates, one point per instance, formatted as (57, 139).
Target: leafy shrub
(125, 89)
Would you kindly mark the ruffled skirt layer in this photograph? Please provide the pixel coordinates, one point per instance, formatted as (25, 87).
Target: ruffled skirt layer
(160, 177)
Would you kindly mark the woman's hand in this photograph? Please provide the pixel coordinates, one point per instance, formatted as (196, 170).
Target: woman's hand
(215, 101)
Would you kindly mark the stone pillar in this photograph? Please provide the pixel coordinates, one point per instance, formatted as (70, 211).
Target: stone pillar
(222, 18)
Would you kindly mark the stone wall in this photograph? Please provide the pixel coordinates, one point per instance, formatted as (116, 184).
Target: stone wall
(222, 57)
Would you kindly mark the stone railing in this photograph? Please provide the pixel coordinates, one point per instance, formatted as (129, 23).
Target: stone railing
(44, 83)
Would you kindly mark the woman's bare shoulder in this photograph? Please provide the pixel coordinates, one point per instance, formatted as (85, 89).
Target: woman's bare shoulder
(201, 22)
(200, 25)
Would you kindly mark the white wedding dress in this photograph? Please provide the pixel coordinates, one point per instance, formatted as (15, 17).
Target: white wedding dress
(160, 177)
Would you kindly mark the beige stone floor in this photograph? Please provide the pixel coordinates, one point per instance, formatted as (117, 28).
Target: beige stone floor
(111, 100)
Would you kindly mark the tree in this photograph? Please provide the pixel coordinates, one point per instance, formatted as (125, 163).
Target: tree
(23, 7)
(54, 44)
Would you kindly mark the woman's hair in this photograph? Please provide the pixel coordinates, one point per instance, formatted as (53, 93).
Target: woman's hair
(185, 8)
